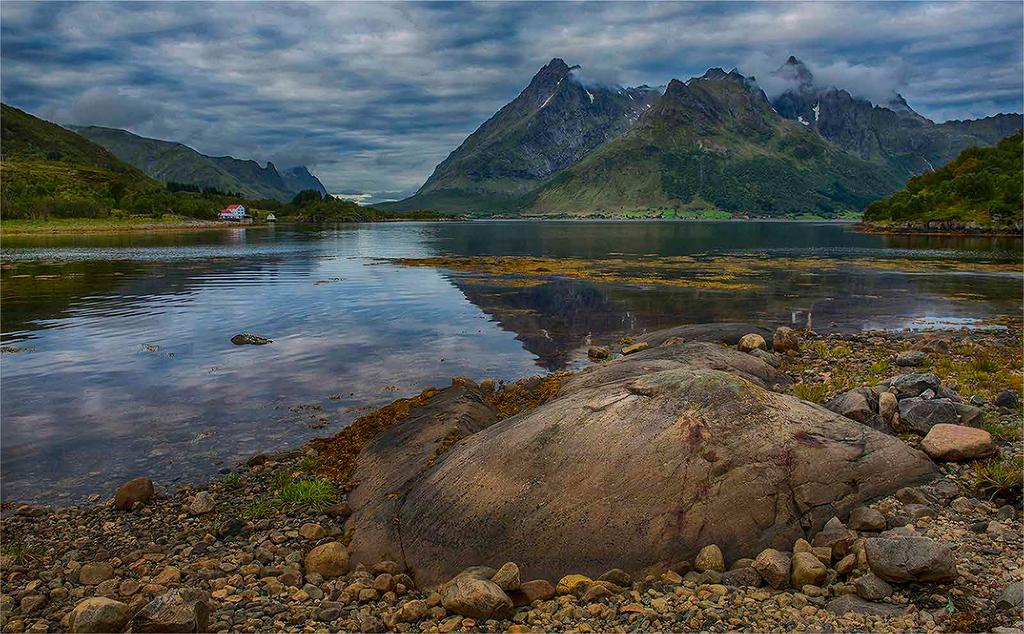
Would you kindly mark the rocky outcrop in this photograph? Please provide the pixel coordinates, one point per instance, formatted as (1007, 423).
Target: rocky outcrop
(645, 460)
(396, 458)
(905, 403)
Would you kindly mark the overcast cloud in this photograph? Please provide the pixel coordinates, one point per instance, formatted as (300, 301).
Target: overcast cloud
(372, 95)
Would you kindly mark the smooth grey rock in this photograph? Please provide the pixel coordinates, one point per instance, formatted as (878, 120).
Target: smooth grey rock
(1008, 399)
(901, 560)
(919, 415)
(871, 587)
(860, 405)
(1012, 596)
(908, 385)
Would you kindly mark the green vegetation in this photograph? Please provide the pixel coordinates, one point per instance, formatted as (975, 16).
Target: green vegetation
(1000, 477)
(313, 492)
(259, 508)
(21, 552)
(288, 492)
(813, 392)
(983, 185)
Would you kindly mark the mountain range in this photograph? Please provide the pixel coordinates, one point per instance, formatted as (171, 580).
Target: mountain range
(714, 142)
(171, 162)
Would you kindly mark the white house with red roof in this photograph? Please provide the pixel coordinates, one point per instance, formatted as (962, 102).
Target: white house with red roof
(233, 212)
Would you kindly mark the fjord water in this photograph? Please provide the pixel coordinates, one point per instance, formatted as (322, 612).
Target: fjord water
(118, 359)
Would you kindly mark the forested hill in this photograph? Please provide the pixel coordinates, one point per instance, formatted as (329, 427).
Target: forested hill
(983, 186)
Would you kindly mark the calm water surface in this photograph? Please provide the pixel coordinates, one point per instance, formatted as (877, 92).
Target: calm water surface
(122, 363)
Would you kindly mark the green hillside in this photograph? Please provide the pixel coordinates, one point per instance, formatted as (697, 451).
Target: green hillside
(983, 185)
(715, 143)
(175, 163)
(27, 138)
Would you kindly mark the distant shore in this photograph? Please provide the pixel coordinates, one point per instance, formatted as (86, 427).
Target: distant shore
(939, 229)
(108, 225)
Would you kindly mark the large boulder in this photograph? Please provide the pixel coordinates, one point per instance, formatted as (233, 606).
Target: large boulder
(181, 610)
(952, 443)
(396, 458)
(906, 559)
(728, 333)
(98, 614)
(642, 461)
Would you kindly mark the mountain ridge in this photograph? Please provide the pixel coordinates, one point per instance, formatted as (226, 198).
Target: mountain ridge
(173, 162)
(714, 142)
(554, 122)
(494, 171)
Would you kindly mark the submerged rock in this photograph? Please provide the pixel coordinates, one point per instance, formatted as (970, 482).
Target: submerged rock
(247, 338)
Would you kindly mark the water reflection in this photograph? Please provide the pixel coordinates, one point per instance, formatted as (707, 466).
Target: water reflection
(128, 368)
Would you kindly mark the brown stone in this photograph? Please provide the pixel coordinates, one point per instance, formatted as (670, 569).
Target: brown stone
(785, 339)
(953, 443)
(133, 491)
(536, 590)
(328, 560)
(750, 342)
(774, 567)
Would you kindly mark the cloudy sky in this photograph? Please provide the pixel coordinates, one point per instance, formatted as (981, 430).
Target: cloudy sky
(372, 95)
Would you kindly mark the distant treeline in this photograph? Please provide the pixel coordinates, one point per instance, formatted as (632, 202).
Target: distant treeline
(983, 185)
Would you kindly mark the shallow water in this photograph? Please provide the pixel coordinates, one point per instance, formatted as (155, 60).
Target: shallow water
(123, 364)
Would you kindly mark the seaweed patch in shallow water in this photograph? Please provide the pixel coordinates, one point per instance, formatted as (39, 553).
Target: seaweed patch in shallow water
(338, 454)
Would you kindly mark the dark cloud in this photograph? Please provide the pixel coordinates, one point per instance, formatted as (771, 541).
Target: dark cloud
(372, 95)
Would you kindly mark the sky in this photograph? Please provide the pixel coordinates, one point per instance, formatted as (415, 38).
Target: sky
(371, 96)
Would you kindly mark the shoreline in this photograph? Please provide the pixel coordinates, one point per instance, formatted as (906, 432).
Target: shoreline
(921, 230)
(279, 542)
(149, 227)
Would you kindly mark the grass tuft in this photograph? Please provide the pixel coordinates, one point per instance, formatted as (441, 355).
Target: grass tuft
(814, 392)
(259, 508)
(308, 492)
(1002, 478)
